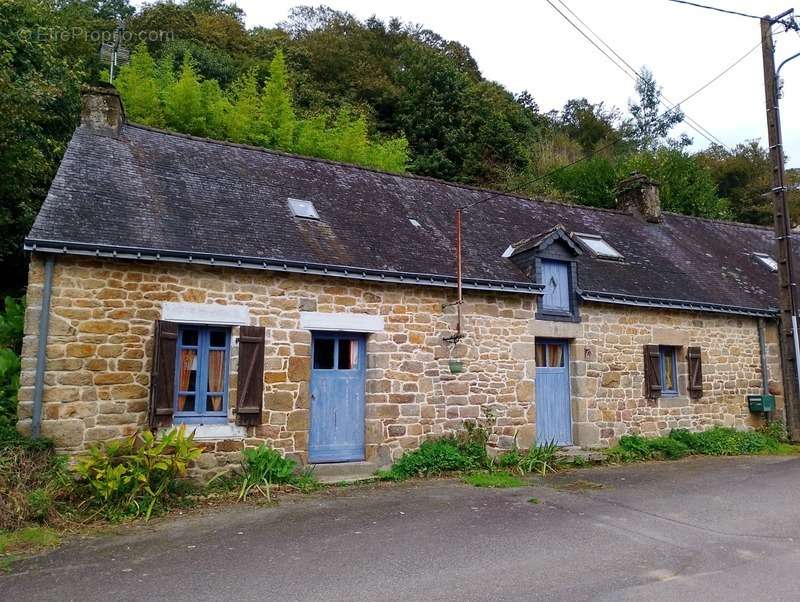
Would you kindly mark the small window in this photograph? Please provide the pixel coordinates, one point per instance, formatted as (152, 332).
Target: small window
(201, 379)
(598, 246)
(324, 354)
(335, 353)
(768, 261)
(301, 208)
(669, 370)
(549, 355)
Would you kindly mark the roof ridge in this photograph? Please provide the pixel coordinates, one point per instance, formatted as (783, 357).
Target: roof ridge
(410, 176)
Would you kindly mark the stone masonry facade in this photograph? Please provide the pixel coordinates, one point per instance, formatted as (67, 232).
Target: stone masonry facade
(100, 346)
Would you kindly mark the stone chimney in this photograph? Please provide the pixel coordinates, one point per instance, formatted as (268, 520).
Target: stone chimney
(101, 109)
(638, 195)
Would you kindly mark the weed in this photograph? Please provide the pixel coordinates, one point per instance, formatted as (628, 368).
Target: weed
(387, 475)
(494, 480)
(534, 500)
(579, 462)
(264, 467)
(433, 457)
(775, 429)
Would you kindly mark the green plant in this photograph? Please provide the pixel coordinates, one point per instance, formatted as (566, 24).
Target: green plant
(11, 324)
(775, 429)
(541, 459)
(636, 446)
(131, 476)
(433, 457)
(494, 480)
(264, 466)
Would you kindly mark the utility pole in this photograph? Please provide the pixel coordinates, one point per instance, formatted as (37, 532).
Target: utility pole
(787, 293)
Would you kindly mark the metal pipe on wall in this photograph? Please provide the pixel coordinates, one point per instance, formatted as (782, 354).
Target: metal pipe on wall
(41, 355)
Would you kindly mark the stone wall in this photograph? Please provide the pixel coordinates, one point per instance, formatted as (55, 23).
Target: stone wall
(100, 347)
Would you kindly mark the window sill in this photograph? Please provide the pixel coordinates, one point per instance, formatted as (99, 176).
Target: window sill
(557, 316)
(674, 401)
(215, 432)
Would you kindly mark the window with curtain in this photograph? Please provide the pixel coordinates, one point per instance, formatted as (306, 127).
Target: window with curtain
(669, 370)
(201, 379)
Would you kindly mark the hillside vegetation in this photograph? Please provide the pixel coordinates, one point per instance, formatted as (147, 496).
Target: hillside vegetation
(385, 94)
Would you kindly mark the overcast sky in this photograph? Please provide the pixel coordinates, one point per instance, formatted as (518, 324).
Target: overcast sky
(528, 46)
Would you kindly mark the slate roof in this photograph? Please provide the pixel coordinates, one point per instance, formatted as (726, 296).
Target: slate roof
(169, 196)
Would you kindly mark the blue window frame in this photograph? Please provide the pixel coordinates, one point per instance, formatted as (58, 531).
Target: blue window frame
(201, 375)
(669, 369)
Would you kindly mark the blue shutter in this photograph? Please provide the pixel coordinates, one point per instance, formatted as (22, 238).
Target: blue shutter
(555, 275)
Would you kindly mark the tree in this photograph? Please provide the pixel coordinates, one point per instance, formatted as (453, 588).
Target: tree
(277, 119)
(649, 126)
(138, 84)
(243, 114)
(183, 102)
(39, 105)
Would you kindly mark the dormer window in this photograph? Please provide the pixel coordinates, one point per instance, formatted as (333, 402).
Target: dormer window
(556, 298)
(767, 260)
(598, 246)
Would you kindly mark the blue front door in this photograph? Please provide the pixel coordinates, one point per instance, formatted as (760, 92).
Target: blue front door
(553, 411)
(337, 398)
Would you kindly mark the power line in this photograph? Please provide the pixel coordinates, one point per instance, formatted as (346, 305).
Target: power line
(636, 76)
(617, 140)
(719, 10)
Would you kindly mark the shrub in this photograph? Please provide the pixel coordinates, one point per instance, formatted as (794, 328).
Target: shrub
(635, 446)
(132, 476)
(264, 466)
(667, 448)
(433, 457)
(776, 430)
(11, 323)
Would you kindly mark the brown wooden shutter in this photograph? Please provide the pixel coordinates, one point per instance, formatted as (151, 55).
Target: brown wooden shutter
(695, 379)
(652, 372)
(162, 376)
(251, 375)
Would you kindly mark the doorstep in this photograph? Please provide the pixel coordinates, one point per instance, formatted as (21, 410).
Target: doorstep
(589, 456)
(344, 472)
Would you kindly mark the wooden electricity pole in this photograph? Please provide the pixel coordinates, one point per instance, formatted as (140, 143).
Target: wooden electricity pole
(787, 294)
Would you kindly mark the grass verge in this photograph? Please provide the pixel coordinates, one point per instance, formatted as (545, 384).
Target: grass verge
(495, 480)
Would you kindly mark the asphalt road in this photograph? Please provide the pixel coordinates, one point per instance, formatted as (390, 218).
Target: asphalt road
(699, 529)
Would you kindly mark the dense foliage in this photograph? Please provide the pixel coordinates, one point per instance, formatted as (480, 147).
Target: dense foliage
(717, 441)
(381, 93)
(11, 325)
(263, 467)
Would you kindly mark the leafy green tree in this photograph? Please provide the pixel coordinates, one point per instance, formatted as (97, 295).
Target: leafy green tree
(277, 119)
(243, 114)
(138, 84)
(650, 126)
(39, 106)
(686, 185)
(183, 102)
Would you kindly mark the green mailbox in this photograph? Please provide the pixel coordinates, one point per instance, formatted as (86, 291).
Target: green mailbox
(761, 403)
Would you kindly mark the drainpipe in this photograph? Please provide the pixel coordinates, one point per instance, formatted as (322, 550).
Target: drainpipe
(44, 322)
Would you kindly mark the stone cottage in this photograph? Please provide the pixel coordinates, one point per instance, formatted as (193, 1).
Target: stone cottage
(263, 297)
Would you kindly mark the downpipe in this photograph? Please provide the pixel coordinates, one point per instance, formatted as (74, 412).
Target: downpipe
(41, 351)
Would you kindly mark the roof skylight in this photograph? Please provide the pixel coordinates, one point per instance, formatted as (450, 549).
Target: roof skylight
(414, 222)
(301, 208)
(598, 246)
(767, 260)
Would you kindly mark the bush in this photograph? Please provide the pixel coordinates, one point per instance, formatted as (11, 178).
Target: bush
(133, 476)
(433, 457)
(264, 466)
(34, 483)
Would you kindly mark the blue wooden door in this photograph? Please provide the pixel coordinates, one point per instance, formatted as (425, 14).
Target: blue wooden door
(555, 276)
(553, 411)
(337, 398)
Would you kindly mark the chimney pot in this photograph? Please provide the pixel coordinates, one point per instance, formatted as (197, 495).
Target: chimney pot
(101, 109)
(639, 195)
